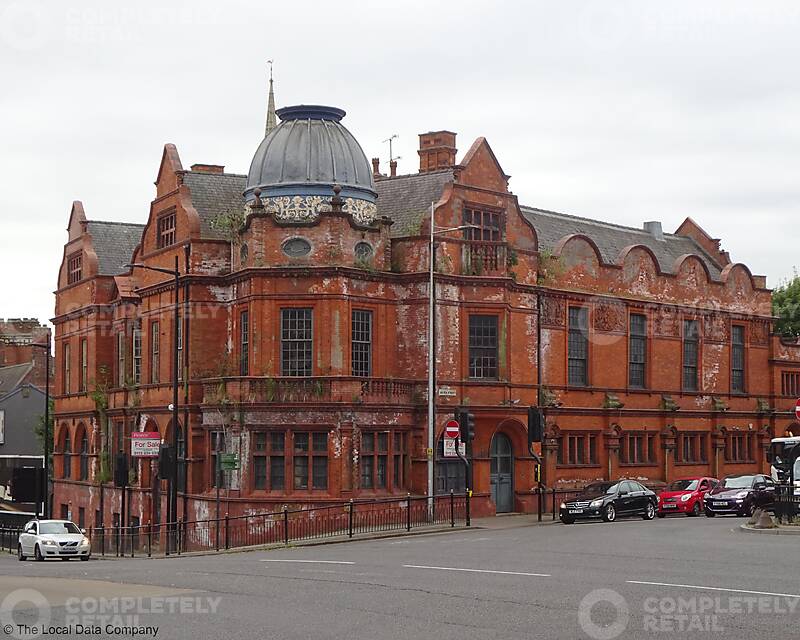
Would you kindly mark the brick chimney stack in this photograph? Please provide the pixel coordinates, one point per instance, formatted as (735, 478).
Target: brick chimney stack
(393, 168)
(437, 150)
(376, 167)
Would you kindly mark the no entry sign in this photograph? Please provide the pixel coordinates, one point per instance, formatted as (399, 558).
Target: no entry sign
(451, 429)
(797, 409)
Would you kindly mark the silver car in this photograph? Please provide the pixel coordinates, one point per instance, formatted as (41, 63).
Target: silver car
(53, 539)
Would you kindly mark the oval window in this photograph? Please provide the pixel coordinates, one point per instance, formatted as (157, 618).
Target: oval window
(297, 247)
(364, 251)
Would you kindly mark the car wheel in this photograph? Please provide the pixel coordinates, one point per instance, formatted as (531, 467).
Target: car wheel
(609, 513)
(37, 555)
(84, 558)
(20, 556)
(695, 510)
(649, 512)
(710, 514)
(747, 510)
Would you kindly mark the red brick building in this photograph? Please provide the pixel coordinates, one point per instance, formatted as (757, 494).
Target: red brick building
(302, 347)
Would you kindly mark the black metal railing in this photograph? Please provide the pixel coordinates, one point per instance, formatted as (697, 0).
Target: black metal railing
(343, 520)
(9, 536)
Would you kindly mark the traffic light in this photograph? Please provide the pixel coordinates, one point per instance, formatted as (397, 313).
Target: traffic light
(535, 425)
(466, 424)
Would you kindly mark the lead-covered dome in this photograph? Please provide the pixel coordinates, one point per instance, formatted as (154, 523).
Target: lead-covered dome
(308, 153)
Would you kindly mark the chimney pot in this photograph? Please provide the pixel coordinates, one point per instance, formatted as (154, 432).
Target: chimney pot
(376, 167)
(208, 168)
(654, 229)
(393, 168)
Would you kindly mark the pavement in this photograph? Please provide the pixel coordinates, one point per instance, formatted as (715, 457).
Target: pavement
(676, 578)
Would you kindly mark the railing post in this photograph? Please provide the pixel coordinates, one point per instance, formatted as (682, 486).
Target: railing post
(468, 497)
(103, 540)
(227, 531)
(285, 525)
(350, 519)
(539, 505)
(149, 539)
(452, 509)
(133, 547)
(408, 513)
(554, 503)
(179, 534)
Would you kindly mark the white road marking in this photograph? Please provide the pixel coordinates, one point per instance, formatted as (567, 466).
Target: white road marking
(310, 561)
(694, 586)
(507, 573)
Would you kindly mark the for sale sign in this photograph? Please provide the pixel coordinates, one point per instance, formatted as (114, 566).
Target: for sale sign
(450, 448)
(145, 444)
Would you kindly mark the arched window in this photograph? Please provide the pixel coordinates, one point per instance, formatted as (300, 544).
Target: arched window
(66, 451)
(83, 449)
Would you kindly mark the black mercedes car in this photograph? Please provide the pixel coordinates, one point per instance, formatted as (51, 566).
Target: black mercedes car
(610, 500)
(740, 494)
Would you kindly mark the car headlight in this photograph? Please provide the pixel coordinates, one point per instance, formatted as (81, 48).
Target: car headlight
(596, 503)
(563, 506)
(686, 497)
(741, 494)
(85, 542)
(49, 543)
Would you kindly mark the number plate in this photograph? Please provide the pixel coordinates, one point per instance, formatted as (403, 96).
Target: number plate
(720, 504)
(576, 510)
(668, 505)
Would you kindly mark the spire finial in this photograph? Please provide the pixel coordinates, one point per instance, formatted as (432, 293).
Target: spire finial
(272, 121)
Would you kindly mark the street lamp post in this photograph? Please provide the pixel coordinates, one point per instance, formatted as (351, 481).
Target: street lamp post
(46, 438)
(431, 347)
(172, 502)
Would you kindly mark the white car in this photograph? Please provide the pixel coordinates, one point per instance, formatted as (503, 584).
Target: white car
(53, 539)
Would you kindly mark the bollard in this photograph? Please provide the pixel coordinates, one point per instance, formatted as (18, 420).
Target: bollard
(452, 509)
(227, 531)
(408, 512)
(285, 525)
(149, 540)
(350, 518)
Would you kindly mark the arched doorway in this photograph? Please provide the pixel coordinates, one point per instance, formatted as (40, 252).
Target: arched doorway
(501, 454)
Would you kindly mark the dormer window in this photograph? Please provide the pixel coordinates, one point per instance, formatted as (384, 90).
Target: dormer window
(74, 268)
(166, 230)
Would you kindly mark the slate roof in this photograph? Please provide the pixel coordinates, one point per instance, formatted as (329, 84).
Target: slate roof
(407, 199)
(610, 238)
(214, 194)
(12, 376)
(114, 243)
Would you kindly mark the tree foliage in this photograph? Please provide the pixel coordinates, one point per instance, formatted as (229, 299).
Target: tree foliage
(786, 305)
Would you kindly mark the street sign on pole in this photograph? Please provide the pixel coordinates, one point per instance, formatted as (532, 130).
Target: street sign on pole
(145, 444)
(229, 461)
(797, 409)
(451, 429)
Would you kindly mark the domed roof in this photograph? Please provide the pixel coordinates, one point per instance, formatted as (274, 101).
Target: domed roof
(307, 153)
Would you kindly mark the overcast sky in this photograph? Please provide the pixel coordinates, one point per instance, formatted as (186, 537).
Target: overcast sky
(621, 111)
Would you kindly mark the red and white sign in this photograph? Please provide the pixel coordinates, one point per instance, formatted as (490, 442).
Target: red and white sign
(451, 429)
(145, 444)
(797, 410)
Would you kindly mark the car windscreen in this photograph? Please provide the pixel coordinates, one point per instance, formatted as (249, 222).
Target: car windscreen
(737, 482)
(58, 527)
(682, 485)
(599, 489)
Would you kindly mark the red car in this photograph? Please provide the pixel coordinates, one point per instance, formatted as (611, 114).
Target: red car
(685, 496)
